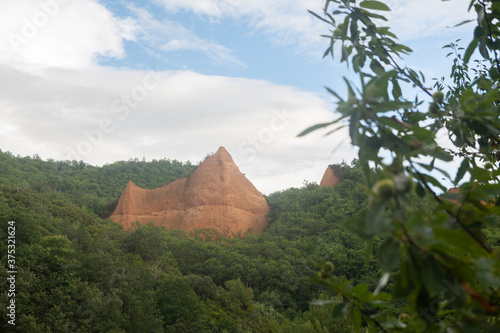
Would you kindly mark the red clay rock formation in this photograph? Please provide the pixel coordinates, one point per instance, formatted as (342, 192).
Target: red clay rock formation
(216, 195)
(329, 178)
(455, 190)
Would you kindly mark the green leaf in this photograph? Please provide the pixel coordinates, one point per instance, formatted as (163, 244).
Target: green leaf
(376, 221)
(442, 155)
(430, 271)
(461, 171)
(376, 16)
(340, 310)
(354, 32)
(335, 130)
(491, 189)
(319, 17)
(360, 290)
(396, 89)
(483, 50)
(420, 190)
(316, 127)
(422, 134)
(403, 285)
(388, 255)
(376, 88)
(353, 127)
(377, 5)
(334, 94)
(463, 22)
(376, 67)
(385, 31)
(345, 27)
(328, 51)
(434, 182)
(458, 239)
(470, 49)
(401, 48)
(351, 93)
(478, 32)
(356, 319)
(480, 174)
(432, 276)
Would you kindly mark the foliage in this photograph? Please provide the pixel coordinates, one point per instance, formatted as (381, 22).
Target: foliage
(448, 266)
(95, 188)
(78, 272)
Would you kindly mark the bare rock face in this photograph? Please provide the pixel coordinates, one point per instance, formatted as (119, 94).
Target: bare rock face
(216, 195)
(456, 190)
(329, 178)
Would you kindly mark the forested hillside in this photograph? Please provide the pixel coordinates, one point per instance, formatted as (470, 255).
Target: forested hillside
(87, 186)
(79, 272)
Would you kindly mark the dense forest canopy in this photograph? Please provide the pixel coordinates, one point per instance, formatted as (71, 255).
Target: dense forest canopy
(96, 188)
(78, 271)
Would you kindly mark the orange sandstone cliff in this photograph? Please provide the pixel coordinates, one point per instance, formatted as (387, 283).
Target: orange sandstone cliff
(216, 195)
(329, 178)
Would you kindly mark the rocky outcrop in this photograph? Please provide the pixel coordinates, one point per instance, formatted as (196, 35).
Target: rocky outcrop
(216, 195)
(329, 178)
(456, 190)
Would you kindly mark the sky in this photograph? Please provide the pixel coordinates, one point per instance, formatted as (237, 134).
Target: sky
(103, 81)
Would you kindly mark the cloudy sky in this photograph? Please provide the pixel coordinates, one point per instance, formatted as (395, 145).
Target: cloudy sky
(102, 81)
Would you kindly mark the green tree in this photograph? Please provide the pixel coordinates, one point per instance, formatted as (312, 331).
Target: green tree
(448, 271)
(176, 300)
(237, 297)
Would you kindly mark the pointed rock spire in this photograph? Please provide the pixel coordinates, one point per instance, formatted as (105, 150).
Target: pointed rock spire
(216, 195)
(329, 178)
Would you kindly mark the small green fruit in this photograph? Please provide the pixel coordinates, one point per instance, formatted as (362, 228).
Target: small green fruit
(404, 317)
(338, 31)
(438, 97)
(328, 266)
(488, 165)
(384, 188)
(433, 108)
(326, 270)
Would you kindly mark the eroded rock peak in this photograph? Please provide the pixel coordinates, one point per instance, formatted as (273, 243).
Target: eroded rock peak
(216, 195)
(330, 179)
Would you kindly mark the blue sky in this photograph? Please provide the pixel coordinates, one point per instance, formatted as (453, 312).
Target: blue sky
(102, 81)
(248, 53)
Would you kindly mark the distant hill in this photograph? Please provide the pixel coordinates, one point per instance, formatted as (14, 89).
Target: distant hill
(78, 272)
(93, 187)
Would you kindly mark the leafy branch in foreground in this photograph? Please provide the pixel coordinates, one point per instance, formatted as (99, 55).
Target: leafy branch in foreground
(424, 254)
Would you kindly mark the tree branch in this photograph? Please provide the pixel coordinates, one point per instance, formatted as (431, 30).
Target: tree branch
(456, 216)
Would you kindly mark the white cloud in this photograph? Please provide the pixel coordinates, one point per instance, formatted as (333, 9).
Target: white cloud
(170, 36)
(63, 33)
(103, 115)
(417, 19)
(287, 22)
